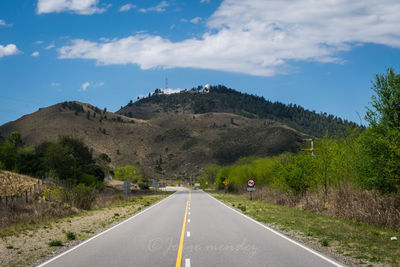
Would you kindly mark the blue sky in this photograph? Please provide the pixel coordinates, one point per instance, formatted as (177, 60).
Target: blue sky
(321, 55)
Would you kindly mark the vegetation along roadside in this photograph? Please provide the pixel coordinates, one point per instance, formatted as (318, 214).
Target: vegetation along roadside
(362, 244)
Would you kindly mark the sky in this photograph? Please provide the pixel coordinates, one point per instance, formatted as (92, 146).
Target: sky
(322, 55)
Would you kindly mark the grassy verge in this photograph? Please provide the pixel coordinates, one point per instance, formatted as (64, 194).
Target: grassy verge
(368, 245)
(26, 245)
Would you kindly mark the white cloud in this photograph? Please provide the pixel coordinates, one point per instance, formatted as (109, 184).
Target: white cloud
(257, 37)
(35, 54)
(158, 8)
(4, 24)
(205, 1)
(82, 7)
(195, 20)
(126, 7)
(50, 46)
(55, 84)
(39, 42)
(85, 85)
(8, 50)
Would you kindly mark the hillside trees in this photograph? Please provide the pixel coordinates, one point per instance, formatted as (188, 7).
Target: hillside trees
(223, 99)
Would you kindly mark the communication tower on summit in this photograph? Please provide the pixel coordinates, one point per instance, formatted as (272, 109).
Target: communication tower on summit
(166, 83)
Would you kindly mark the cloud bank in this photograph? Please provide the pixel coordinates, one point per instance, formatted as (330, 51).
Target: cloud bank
(82, 7)
(257, 37)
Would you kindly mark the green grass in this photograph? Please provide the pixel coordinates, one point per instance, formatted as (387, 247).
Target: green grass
(358, 240)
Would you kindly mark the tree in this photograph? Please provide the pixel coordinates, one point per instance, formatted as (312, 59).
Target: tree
(378, 161)
(127, 173)
(385, 105)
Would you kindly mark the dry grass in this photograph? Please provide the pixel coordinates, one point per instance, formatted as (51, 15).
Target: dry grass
(29, 246)
(13, 184)
(350, 242)
(348, 202)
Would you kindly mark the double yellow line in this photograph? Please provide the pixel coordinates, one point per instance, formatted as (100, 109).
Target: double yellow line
(179, 256)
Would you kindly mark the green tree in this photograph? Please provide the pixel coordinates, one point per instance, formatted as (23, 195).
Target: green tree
(378, 161)
(127, 173)
(385, 104)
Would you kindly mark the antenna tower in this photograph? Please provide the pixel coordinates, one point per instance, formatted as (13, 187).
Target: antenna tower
(166, 83)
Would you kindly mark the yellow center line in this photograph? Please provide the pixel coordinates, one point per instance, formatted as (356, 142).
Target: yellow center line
(179, 256)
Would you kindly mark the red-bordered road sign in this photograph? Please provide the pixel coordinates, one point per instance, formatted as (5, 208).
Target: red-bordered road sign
(251, 183)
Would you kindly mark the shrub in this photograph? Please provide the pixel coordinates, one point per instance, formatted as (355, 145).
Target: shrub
(70, 235)
(55, 243)
(324, 242)
(84, 196)
(143, 185)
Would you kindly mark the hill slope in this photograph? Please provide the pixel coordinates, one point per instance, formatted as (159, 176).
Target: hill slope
(174, 145)
(225, 100)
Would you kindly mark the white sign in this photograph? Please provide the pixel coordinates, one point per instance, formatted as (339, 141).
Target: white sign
(197, 185)
(251, 189)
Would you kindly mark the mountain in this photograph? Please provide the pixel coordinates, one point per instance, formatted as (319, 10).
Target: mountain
(221, 99)
(176, 135)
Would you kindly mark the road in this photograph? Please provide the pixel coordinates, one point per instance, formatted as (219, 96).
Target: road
(190, 228)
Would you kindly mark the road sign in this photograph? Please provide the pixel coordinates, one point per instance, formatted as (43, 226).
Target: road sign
(197, 185)
(155, 183)
(251, 183)
(127, 187)
(251, 189)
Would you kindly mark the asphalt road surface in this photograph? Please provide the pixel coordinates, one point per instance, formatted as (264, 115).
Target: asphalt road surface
(190, 229)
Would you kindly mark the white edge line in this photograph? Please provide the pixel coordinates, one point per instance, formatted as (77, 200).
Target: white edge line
(187, 262)
(279, 234)
(99, 234)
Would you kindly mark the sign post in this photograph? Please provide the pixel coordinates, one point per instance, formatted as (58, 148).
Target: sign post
(226, 183)
(251, 187)
(127, 189)
(155, 184)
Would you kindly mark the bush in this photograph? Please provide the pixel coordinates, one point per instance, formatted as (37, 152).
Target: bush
(143, 185)
(84, 196)
(55, 243)
(70, 235)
